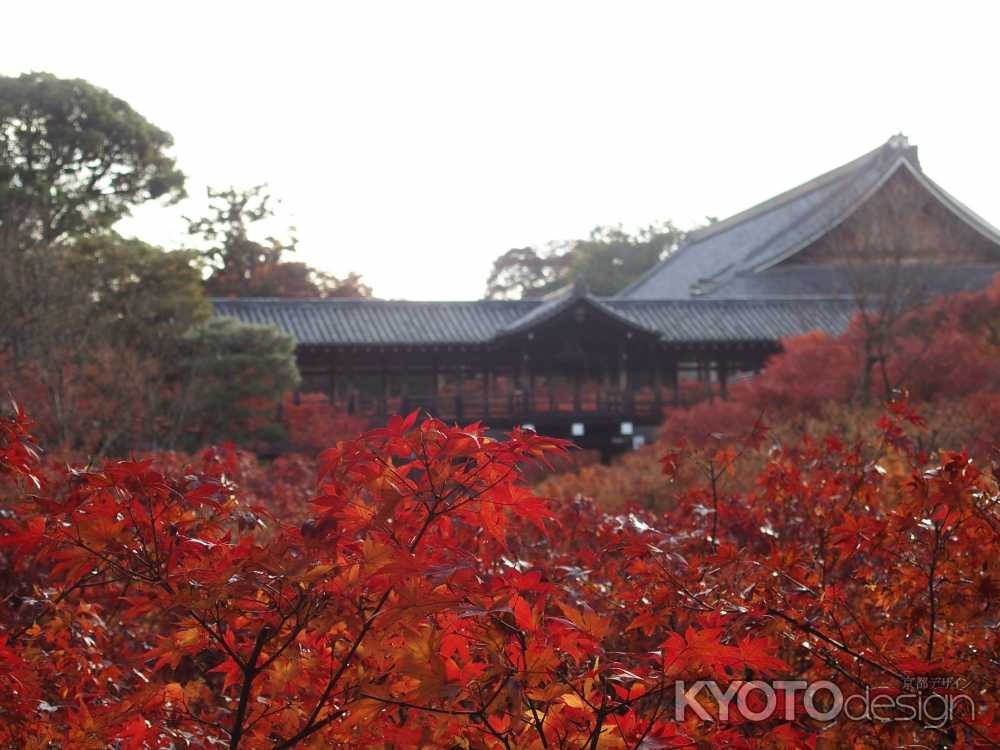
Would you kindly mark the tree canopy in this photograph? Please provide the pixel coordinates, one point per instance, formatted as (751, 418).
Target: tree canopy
(607, 261)
(235, 375)
(108, 338)
(245, 267)
(74, 159)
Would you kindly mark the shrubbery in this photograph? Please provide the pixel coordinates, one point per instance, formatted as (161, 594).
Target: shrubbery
(419, 595)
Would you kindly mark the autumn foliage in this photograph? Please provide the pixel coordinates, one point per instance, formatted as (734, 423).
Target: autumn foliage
(420, 596)
(944, 355)
(313, 422)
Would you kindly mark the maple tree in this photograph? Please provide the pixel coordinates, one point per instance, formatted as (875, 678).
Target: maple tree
(945, 355)
(313, 422)
(420, 595)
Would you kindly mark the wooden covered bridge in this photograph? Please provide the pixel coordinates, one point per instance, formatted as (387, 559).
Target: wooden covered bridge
(601, 370)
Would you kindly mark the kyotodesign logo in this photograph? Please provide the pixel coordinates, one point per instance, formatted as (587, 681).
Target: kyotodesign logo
(932, 705)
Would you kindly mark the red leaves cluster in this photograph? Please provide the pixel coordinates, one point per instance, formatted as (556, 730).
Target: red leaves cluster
(426, 598)
(944, 354)
(18, 455)
(313, 423)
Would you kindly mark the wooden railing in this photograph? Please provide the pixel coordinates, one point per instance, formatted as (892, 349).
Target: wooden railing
(524, 406)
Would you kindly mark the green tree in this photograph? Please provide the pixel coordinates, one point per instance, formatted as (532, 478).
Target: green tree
(246, 267)
(128, 355)
(104, 321)
(145, 297)
(525, 272)
(234, 377)
(607, 261)
(112, 338)
(74, 159)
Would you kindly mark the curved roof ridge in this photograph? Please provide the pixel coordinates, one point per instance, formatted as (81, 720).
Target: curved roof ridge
(789, 195)
(750, 260)
(555, 305)
(897, 147)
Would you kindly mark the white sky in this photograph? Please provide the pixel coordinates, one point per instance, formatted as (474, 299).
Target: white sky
(414, 142)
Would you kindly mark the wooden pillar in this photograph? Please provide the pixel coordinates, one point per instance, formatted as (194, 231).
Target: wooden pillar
(657, 378)
(676, 379)
(435, 386)
(460, 394)
(705, 366)
(622, 368)
(404, 386)
(487, 387)
(331, 383)
(624, 394)
(522, 385)
(384, 407)
(607, 395)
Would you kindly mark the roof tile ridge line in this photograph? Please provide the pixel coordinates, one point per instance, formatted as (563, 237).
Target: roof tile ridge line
(792, 299)
(863, 196)
(555, 307)
(729, 300)
(693, 238)
(804, 188)
(545, 309)
(724, 275)
(899, 161)
(371, 300)
(605, 307)
(302, 299)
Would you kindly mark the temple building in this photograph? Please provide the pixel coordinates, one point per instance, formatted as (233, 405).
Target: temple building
(873, 233)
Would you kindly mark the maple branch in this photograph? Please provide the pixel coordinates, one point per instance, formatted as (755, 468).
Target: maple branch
(417, 707)
(714, 484)
(219, 639)
(496, 734)
(79, 584)
(931, 593)
(270, 711)
(250, 672)
(312, 725)
(293, 634)
(600, 718)
(655, 714)
(807, 628)
(535, 720)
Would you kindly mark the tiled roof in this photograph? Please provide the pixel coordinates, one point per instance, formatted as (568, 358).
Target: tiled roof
(377, 322)
(338, 322)
(811, 282)
(562, 300)
(718, 321)
(720, 259)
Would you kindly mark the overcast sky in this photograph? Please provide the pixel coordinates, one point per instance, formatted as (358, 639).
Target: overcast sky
(414, 142)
